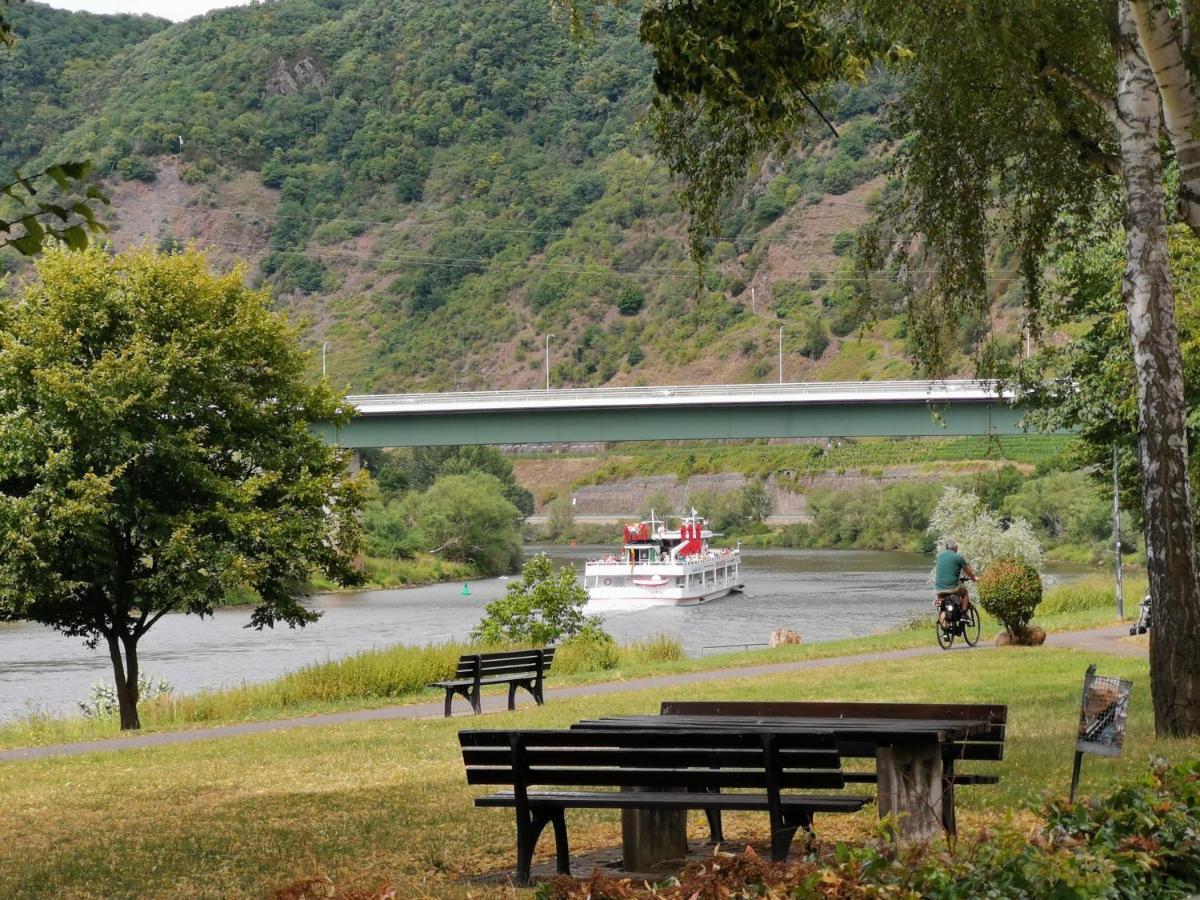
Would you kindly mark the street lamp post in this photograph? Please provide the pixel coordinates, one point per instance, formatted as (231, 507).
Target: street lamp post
(781, 327)
(548, 360)
(324, 347)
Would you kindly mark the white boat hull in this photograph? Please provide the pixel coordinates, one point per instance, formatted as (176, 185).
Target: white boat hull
(657, 597)
(683, 583)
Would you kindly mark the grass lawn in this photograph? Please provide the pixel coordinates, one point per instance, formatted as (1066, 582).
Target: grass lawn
(385, 677)
(385, 802)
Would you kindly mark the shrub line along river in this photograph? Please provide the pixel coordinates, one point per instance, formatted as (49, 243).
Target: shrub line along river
(823, 594)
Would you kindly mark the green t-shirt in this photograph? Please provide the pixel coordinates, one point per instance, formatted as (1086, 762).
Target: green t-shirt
(947, 569)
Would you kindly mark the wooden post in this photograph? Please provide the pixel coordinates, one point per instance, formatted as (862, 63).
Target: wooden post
(910, 786)
(652, 838)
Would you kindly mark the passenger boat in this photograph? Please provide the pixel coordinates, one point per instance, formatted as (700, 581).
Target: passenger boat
(661, 565)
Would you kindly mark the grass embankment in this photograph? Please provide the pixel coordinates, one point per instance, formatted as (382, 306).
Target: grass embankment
(377, 678)
(385, 803)
(423, 568)
(760, 459)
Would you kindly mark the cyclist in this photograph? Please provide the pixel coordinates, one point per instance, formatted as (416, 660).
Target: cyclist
(948, 572)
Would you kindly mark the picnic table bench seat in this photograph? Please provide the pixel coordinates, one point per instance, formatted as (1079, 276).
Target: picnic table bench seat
(643, 769)
(517, 668)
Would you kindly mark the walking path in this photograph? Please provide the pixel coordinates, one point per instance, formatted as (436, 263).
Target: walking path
(1100, 640)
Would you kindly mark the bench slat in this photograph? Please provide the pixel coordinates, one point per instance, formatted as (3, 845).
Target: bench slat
(521, 669)
(674, 800)
(666, 778)
(997, 713)
(652, 757)
(644, 737)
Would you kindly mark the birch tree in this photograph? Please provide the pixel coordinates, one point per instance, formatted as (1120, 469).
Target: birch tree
(1021, 116)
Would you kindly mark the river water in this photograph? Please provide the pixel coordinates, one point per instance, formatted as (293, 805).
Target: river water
(824, 595)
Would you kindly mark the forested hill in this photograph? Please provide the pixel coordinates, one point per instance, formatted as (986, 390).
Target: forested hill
(57, 68)
(434, 187)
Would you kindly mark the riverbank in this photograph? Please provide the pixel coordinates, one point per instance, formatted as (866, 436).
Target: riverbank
(383, 806)
(383, 574)
(381, 677)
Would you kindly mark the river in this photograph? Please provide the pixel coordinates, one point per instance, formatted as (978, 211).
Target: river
(824, 595)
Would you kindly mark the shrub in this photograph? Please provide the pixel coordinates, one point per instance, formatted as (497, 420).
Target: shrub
(543, 606)
(548, 290)
(1010, 590)
(1138, 842)
(813, 338)
(768, 208)
(635, 356)
(135, 168)
(631, 300)
(843, 243)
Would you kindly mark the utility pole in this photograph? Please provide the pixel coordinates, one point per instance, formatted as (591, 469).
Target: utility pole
(1117, 536)
(781, 327)
(548, 360)
(324, 347)
(753, 301)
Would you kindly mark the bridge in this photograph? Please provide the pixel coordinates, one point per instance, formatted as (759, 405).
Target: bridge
(686, 412)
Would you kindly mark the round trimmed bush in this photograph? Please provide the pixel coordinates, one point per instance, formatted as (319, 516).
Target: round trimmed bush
(1010, 590)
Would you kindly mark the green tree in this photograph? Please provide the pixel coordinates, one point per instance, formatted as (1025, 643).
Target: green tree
(430, 463)
(560, 518)
(1039, 109)
(387, 529)
(541, 607)
(467, 518)
(156, 452)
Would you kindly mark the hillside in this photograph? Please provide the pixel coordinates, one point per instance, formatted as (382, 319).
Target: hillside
(433, 188)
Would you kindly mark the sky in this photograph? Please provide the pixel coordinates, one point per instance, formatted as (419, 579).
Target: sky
(167, 9)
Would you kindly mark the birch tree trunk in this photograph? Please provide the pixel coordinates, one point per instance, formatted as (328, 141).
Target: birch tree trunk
(1162, 441)
(1165, 49)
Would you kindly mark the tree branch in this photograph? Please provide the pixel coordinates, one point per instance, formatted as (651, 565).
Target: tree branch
(1091, 151)
(809, 100)
(1082, 86)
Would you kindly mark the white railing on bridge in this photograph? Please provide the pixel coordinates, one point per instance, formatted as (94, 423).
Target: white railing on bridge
(933, 392)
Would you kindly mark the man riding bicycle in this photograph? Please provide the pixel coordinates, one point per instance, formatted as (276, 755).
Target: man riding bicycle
(948, 572)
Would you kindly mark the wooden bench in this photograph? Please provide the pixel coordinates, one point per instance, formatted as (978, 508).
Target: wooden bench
(517, 668)
(985, 747)
(647, 769)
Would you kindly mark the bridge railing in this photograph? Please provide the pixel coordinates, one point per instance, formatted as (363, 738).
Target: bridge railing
(959, 390)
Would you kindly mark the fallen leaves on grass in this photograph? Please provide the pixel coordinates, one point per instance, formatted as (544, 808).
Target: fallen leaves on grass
(321, 887)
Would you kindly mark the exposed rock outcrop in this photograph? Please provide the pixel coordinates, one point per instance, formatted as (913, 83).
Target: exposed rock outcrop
(288, 77)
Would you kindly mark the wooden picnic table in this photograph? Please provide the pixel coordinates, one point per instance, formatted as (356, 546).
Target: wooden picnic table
(908, 753)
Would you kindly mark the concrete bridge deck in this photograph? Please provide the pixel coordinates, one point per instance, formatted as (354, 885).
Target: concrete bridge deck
(679, 412)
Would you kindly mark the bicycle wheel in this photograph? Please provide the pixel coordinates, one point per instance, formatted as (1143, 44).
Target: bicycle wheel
(945, 636)
(970, 626)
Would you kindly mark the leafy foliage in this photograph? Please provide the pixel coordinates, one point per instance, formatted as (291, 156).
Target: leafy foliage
(1010, 590)
(1138, 842)
(156, 452)
(541, 607)
(38, 220)
(1097, 364)
(982, 538)
(466, 518)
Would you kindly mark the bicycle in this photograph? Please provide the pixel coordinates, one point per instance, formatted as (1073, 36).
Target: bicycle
(959, 622)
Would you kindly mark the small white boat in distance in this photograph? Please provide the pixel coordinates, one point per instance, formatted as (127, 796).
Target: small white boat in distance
(658, 565)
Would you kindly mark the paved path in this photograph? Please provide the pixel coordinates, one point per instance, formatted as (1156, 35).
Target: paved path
(1102, 640)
